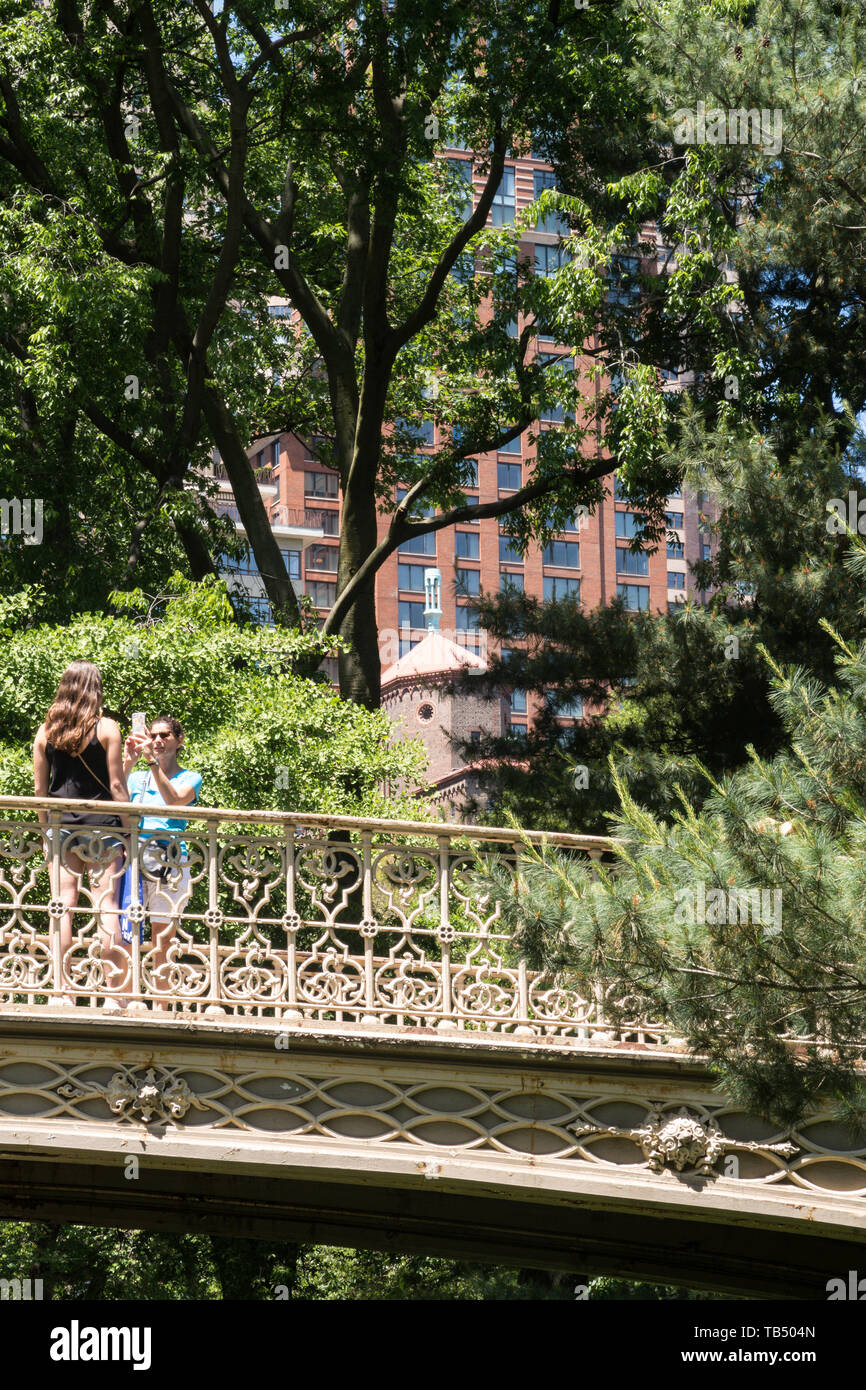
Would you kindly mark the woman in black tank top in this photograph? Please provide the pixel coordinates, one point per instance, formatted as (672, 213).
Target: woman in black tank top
(77, 756)
(82, 775)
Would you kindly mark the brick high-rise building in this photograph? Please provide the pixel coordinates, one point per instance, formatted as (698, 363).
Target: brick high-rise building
(590, 559)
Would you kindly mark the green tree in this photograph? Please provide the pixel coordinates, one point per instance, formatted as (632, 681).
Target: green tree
(104, 1264)
(213, 164)
(662, 690)
(741, 925)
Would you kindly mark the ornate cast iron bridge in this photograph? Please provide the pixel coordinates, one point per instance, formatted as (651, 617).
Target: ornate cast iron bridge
(333, 1039)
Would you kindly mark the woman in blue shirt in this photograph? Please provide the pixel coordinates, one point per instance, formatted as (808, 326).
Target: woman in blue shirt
(163, 788)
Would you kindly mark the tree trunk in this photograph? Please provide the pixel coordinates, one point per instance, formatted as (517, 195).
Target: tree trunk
(197, 551)
(251, 510)
(360, 675)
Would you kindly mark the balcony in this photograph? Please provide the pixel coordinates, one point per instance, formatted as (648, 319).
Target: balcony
(265, 477)
(301, 523)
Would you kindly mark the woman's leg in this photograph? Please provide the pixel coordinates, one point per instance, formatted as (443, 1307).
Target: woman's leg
(167, 904)
(70, 885)
(106, 901)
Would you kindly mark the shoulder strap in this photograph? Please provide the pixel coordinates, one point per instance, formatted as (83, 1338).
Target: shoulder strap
(94, 775)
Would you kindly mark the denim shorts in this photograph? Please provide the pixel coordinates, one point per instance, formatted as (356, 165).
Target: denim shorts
(73, 836)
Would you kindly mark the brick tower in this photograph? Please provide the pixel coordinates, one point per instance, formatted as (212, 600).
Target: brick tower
(416, 697)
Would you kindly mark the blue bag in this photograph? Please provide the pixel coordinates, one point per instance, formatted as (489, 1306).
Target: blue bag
(126, 903)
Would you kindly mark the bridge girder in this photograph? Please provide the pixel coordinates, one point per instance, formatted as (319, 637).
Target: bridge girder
(486, 1149)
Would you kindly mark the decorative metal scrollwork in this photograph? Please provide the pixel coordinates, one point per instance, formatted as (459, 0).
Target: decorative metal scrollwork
(682, 1141)
(158, 1097)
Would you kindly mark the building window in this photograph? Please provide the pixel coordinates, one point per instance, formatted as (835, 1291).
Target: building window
(467, 618)
(475, 736)
(322, 557)
(572, 710)
(632, 562)
(411, 577)
(550, 259)
(258, 606)
(419, 545)
(622, 279)
(517, 702)
(566, 554)
(508, 551)
(676, 579)
(469, 468)
(509, 476)
(518, 731)
(502, 210)
(676, 550)
(245, 565)
(463, 192)
(466, 545)
(674, 520)
(508, 580)
(420, 432)
(636, 596)
(330, 522)
(675, 605)
(410, 614)
(568, 709)
(419, 508)
(321, 484)
(573, 524)
(292, 559)
(557, 414)
(321, 592)
(553, 223)
(627, 525)
(469, 581)
(556, 587)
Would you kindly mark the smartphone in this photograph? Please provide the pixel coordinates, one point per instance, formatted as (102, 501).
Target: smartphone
(139, 723)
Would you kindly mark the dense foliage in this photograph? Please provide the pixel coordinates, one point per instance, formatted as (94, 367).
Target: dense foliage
(262, 736)
(661, 690)
(93, 1263)
(744, 924)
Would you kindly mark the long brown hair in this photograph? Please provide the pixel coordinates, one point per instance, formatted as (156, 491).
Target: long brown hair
(76, 708)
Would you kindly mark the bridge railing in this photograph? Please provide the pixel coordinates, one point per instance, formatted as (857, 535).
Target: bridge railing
(289, 917)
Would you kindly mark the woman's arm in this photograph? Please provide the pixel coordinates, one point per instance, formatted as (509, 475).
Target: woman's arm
(41, 772)
(171, 795)
(131, 755)
(109, 737)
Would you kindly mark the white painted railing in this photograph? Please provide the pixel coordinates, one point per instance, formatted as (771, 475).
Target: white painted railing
(292, 917)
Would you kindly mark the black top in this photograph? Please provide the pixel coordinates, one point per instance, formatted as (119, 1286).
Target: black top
(76, 776)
